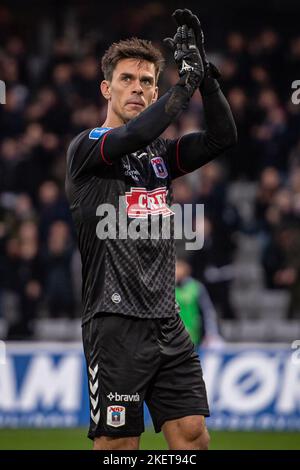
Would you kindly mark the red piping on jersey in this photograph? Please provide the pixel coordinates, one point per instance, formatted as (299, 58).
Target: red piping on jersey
(101, 149)
(177, 157)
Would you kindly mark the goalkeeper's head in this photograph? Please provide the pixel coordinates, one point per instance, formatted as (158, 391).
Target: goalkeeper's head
(131, 70)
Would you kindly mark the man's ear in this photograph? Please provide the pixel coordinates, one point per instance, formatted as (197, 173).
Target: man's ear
(105, 89)
(155, 95)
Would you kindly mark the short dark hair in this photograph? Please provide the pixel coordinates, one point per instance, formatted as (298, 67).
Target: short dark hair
(133, 48)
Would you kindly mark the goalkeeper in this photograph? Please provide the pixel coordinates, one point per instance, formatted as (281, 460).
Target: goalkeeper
(136, 347)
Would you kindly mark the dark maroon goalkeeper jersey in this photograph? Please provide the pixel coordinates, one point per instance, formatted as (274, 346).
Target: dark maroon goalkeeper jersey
(126, 276)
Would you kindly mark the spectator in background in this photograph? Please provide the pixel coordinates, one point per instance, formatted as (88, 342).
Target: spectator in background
(183, 196)
(58, 284)
(24, 209)
(63, 82)
(237, 51)
(196, 309)
(211, 189)
(270, 136)
(268, 186)
(243, 115)
(281, 262)
(8, 165)
(86, 79)
(12, 120)
(27, 281)
(294, 157)
(280, 209)
(52, 207)
(34, 162)
(213, 265)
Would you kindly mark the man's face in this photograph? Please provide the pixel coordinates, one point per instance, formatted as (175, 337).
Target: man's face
(131, 90)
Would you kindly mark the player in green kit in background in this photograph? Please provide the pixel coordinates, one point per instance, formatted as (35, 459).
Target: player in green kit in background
(196, 308)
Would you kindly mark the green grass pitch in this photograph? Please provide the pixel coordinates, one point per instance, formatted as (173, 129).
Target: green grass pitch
(65, 439)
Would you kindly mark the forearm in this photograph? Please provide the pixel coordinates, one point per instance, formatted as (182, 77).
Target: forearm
(221, 132)
(196, 149)
(149, 125)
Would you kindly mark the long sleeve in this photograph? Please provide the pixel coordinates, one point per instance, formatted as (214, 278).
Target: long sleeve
(103, 146)
(194, 150)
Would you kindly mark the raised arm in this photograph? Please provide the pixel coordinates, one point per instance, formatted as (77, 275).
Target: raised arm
(194, 150)
(86, 153)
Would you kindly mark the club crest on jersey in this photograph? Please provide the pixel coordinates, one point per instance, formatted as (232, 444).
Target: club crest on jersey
(159, 167)
(140, 203)
(116, 416)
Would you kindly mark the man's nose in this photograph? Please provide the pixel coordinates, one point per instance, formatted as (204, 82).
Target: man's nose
(137, 87)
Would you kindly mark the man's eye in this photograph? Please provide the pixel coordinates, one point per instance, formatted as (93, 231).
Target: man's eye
(126, 79)
(147, 81)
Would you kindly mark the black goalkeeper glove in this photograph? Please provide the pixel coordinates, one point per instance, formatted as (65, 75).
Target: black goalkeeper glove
(185, 16)
(211, 73)
(187, 57)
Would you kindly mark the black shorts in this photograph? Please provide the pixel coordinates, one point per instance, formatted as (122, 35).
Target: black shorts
(131, 360)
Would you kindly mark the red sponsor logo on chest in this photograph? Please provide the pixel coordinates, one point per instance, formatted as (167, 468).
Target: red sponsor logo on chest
(116, 409)
(141, 203)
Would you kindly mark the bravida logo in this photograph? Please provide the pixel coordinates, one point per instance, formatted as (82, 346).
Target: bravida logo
(117, 397)
(2, 92)
(140, 203)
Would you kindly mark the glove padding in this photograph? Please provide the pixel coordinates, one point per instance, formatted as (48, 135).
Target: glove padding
(211, 74)
(185, 16)
(187, 57)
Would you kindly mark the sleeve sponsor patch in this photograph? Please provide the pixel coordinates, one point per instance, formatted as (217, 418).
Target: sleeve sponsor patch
(98, 132)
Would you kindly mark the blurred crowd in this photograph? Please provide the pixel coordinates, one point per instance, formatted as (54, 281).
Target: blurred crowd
(53, 94)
